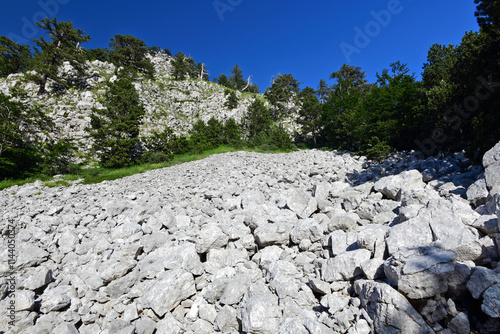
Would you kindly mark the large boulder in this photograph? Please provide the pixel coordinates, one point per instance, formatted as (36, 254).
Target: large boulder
(492, 156)
(273, 234)
(169, 290)
(443, 222)
(420, 272)
(260, 314)
(345, 266)
(391, 186)
(389, 310)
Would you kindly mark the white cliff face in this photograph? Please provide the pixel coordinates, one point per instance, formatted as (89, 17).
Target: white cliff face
(176, 104)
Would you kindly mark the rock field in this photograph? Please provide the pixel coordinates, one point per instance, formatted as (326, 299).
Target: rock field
(306, 242)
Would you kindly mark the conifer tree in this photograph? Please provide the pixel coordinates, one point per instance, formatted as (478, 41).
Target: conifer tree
(181, 66)
(283, 95)
(236, 79)
(64, 45)
(130, 52)
(115, 129)
(257, 119)
(309, 113)
(14, 58)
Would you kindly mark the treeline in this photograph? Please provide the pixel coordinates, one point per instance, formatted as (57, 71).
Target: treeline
(454, 107)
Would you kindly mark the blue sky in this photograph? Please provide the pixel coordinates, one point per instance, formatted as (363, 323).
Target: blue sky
(308, 39)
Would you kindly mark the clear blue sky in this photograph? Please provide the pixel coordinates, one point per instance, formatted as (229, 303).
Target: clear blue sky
(264, 37)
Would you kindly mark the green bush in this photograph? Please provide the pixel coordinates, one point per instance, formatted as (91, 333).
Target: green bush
(155, 157)
(377, 150)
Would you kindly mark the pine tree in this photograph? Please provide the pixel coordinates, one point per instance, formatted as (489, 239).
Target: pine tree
(350, 79)
(257, 119)
(309, 114)
(236, 79)
(324, 91)
(21, 129)
(130, 52)
(223, 81)
(64, 45)
(115, 129)
(181, 66)
(283, 95)
(231, 99)
(488, 14)
(14, 58)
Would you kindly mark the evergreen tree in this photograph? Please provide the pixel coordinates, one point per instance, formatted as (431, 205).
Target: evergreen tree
(309, 113)
(64, 45)
(283, 95)
(14, 58)
(324, 91)
(231, 99)
(101, 54)
(223, 81)
(257, 119)
(232, 133)
(115, 129)
(130, 52)
(350, 79)
(22, 127)
(390, 113)
(488, 14)
(181, 66)
(236, 79)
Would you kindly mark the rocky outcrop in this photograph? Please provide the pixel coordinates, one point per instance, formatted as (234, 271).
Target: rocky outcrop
(305, 242)
(167, 102)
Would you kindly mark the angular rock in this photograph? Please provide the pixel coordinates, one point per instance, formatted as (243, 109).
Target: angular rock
(210, 237)
(477, 193)
(345, 266)
(65, 328)
(260, 314)
(492, 156)
(492, 178)
(439, 221)
(273, 234)
(55, 299)
(482, 279)
(170, 289)
(420, 272)
(391, 186)
(301, 203)
(491, 301)
(305, 323)
(306, 229)
(226, 320)
(389, 310)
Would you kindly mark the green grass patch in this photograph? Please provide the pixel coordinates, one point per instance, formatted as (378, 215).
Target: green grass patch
(10, 183)
(57, 183)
